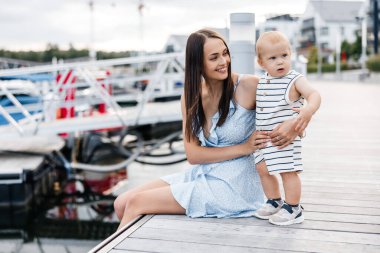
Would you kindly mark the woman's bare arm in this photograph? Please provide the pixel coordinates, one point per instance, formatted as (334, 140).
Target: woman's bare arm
(196, 154)
(245, 94)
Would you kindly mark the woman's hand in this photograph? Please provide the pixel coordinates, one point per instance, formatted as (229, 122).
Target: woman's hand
(283, 134)
(257, 140)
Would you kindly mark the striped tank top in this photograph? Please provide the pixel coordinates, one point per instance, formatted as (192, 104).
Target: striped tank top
(273, 107)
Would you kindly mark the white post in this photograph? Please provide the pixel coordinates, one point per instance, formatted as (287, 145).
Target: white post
(364, 44)
(242, 42)
(92, 52)
(362, 18)
(319, 50)
(338, 51)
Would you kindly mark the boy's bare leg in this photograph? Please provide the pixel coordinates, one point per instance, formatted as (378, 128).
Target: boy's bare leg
(269, 182)
(291, 212)
(292, 187)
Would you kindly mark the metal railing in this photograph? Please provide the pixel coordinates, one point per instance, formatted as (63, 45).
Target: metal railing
(90, 90)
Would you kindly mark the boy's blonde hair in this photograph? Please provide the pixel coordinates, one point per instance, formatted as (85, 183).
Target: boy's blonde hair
(270, 37)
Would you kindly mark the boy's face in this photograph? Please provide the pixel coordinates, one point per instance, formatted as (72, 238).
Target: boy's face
(275, 58)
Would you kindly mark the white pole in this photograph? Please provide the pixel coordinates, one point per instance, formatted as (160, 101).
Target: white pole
(92, 52)
(242, 42)
(319, 50)
(364, 44)
(338, 51)
(140, 8)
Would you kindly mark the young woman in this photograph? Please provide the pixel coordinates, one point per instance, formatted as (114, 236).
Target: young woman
(218, 128)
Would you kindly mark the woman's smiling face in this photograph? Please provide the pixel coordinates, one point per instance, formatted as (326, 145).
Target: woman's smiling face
(216, 59)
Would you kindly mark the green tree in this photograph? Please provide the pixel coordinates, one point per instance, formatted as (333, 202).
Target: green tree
(313, 56)
(353, 50)
(346, 47)
(52, 50)
(356, 48)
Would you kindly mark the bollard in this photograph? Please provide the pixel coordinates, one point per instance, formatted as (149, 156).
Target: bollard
(242, 42)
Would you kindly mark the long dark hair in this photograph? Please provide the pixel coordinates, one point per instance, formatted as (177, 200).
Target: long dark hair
(195, 116)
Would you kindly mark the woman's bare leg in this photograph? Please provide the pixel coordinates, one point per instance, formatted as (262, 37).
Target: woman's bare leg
(122, 200)
(153, 201)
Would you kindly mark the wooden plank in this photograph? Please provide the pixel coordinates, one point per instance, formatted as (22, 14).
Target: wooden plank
(347, 175)
(329, 170)
(337, 173)
(334, 189)
(327, 183)
(126, 251)
(316, 160)
(341, 209)
(342, 217)
(355, 183)
(342, 202)
(176, 246)
(310, 223)
(120, 235)
(259, 242)
(311, 216)
(343, 196)
(364, 157)
(289, 232)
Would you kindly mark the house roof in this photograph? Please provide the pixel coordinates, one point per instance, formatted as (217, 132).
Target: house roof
(337, 11)
(180, 39)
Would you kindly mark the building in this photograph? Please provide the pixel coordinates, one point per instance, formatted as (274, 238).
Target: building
(372, 9)
(328, 23)
(287, 24)
(177, 43)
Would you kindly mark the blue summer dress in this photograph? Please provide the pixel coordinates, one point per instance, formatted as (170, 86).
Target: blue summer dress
(230, 188)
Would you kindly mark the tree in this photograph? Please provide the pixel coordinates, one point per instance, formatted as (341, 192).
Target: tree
(313, 56)
(52, 50)
(353, 50)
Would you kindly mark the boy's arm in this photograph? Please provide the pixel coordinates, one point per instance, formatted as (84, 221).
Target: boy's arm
(313, 99)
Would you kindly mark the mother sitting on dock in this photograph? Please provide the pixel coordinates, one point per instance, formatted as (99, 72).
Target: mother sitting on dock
(218, 128)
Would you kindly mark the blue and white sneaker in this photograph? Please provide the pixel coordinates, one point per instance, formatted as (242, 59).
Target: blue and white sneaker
(268, 209)
(287, 215)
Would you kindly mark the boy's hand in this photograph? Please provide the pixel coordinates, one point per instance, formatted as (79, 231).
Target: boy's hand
(283, 134)
(303, 118)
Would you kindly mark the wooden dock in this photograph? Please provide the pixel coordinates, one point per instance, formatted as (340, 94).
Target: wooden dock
(341, 193)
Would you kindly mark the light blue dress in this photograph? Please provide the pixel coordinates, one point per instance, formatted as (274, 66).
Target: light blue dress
(230, 188)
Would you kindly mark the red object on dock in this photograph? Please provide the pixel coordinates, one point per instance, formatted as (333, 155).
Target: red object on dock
(68, 111)
(106, 85)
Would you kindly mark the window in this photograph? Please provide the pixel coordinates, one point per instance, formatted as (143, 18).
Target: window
(324, 30)
(269, 29)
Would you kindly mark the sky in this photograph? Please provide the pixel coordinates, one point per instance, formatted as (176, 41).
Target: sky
(118, 25)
